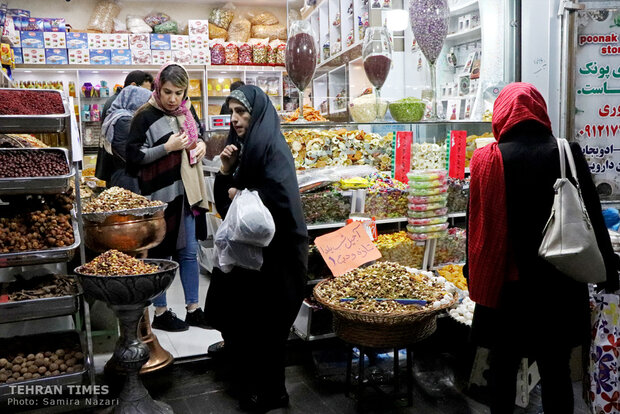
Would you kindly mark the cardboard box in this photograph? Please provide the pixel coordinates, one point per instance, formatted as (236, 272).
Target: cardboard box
(179, 42)
(201, 56)
(34, 56)
(78, 56)
(199, 41)
(32, 24)
(97, 40)
(56, 56)
(32, 40)
(100, 56)
(160, 41)
(55, 40)
(140, 41)
(18, 12)
(159, 57)
(182, 56)
(54, 25)
(118, 41)
(140, 56)
(76, 40)
(11, 32)
(198, 27)
(121, 57)
(17, 55)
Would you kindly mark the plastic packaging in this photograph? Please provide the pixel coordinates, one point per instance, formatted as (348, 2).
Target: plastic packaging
(427, 229)
(245, 54)
(426, 184)
(102, 18)
(229, 254)
(217, 32)
(428, 191)
(221, 17)
(218, 52)
(427, 221)
(310, 177)
(170, 26)
(439, 198)
(259, 51)
(156, 18)
(275, 31)
(458, 194)
(249, 220)
(262, 17)
(428, 213)
(231, 51)
(427, 175)
(239, 30)
(426, 236)
(426, 207)
(281, 54)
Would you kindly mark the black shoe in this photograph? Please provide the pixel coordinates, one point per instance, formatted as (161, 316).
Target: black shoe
(168, 321)
(197, 318)
(258, 403)
(216, 349)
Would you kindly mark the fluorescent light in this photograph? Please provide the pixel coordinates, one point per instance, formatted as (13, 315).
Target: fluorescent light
(27, 71)
(95, 71)
(61, 71)
(397, 20)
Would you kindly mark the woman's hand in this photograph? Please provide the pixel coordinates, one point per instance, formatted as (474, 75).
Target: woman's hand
(229, 157)
(176, 142)
(232, 192)
(201, 150)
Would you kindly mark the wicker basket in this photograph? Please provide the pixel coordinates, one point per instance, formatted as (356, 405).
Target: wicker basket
(381, 330)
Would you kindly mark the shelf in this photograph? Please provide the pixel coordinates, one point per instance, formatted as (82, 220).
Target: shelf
(465, 36)
(345, 124)
(342, 224)
(457, 215)
(464, 8)
(153, 68)
(338, 111)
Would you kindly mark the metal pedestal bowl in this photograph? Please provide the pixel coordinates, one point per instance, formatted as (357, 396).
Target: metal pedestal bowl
(128, 296)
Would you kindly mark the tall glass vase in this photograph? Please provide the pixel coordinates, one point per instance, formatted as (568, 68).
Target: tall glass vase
(300, 60)
(429, 23)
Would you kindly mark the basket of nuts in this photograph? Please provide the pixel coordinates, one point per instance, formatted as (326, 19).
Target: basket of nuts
(383, 305)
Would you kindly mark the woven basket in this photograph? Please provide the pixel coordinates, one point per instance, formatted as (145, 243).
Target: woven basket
(381, 330)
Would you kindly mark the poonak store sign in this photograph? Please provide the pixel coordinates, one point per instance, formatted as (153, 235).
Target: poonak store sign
(597, 102)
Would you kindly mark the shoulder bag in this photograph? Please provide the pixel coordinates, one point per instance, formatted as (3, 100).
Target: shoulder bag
(569, 242)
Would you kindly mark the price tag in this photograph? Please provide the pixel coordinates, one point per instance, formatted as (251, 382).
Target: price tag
(458, 144)
(347, 248)
(402, 155)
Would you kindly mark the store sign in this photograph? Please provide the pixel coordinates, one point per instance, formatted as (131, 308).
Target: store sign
(402, 155)
(458, 145)
(597, 102)
(347, 248)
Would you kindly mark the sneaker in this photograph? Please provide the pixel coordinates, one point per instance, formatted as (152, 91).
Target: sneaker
(197, 318)
(168, 321)
(216, 349)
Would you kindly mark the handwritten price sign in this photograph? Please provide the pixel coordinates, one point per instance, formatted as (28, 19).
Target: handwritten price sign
(347, 248)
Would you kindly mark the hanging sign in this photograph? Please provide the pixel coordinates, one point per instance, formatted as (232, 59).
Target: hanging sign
(402, 155)
(458, 146)
(347, 248)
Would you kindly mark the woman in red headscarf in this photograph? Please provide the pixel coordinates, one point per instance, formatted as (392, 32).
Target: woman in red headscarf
(524, 306)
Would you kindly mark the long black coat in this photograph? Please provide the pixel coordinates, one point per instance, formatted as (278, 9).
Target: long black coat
(545, 306)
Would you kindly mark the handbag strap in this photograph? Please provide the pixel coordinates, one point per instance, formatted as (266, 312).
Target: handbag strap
(566, 153)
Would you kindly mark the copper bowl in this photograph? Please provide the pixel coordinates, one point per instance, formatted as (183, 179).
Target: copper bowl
(126, 233)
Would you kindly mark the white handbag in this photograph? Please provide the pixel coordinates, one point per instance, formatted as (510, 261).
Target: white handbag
(569, 242)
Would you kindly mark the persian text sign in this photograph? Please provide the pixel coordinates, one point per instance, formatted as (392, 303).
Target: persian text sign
(347, 248)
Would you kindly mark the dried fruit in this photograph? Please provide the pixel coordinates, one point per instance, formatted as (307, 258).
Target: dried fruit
(115, 263)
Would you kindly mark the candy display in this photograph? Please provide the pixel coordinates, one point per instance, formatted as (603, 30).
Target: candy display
(458, 194)
(322, 148)
(408, 110)
(428, 156)
(32, 360)
(429, 24)
(426, 221)
(426, 192)
(117, 199)
(115, 263)
(427, 236)
(245, 54)
(439, 198)
(398, 248)
(325, 207)
(427, 213)
(260, 53)
(452, 247)
(453, 273)
(19, 102)
(218, 53)
(427, 175)
(427, 229)
(32, 163)
(386, 198)
(221, 17)
(231, 52)
(378, 287)
(426, 207)
(419, 184)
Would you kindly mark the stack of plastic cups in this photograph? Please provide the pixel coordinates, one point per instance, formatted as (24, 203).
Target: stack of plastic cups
(427, 211)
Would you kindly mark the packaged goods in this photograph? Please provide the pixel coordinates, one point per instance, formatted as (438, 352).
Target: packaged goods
(263, 17)
(458, 194)
(426, 236)
(170, 26)
(426, 207)
(156, 18)
(452, 247)
(417, 185)
(427, 229)
(428, 191)
(216, 32)
(276, 31)
(427, 175)
(245, 54)
(408, 110)
(260, 49)
(239, 30)
(427, 221)
(231, 51)
(135, 24)
(221, 17)
(439, 198)
(102, 18)
(427, 213)
(218, 52)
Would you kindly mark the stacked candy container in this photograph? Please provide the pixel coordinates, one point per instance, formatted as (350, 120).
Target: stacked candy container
(427, 204)
(386, 197)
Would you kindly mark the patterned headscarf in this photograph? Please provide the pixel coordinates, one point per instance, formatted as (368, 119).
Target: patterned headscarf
(126, 103)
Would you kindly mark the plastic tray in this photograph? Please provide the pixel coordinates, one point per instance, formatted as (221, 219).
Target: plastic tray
(38, 185)
(51, 340)
(36, 123)
(39, 308)
(31, 257)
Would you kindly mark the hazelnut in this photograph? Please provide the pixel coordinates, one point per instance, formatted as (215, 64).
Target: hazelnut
(60, 352)
(53, 366)
(36, 375)
(28, 375)
(62, 367)
(42, 370)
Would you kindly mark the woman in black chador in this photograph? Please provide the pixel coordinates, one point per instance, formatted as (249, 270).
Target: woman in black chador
(254, 310)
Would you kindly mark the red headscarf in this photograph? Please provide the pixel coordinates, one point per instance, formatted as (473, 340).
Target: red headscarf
(489, 262)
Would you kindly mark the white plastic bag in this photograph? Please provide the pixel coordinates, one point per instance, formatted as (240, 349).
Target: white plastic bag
(247, 228)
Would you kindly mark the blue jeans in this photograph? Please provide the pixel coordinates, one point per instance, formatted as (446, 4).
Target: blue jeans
(188, 264)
